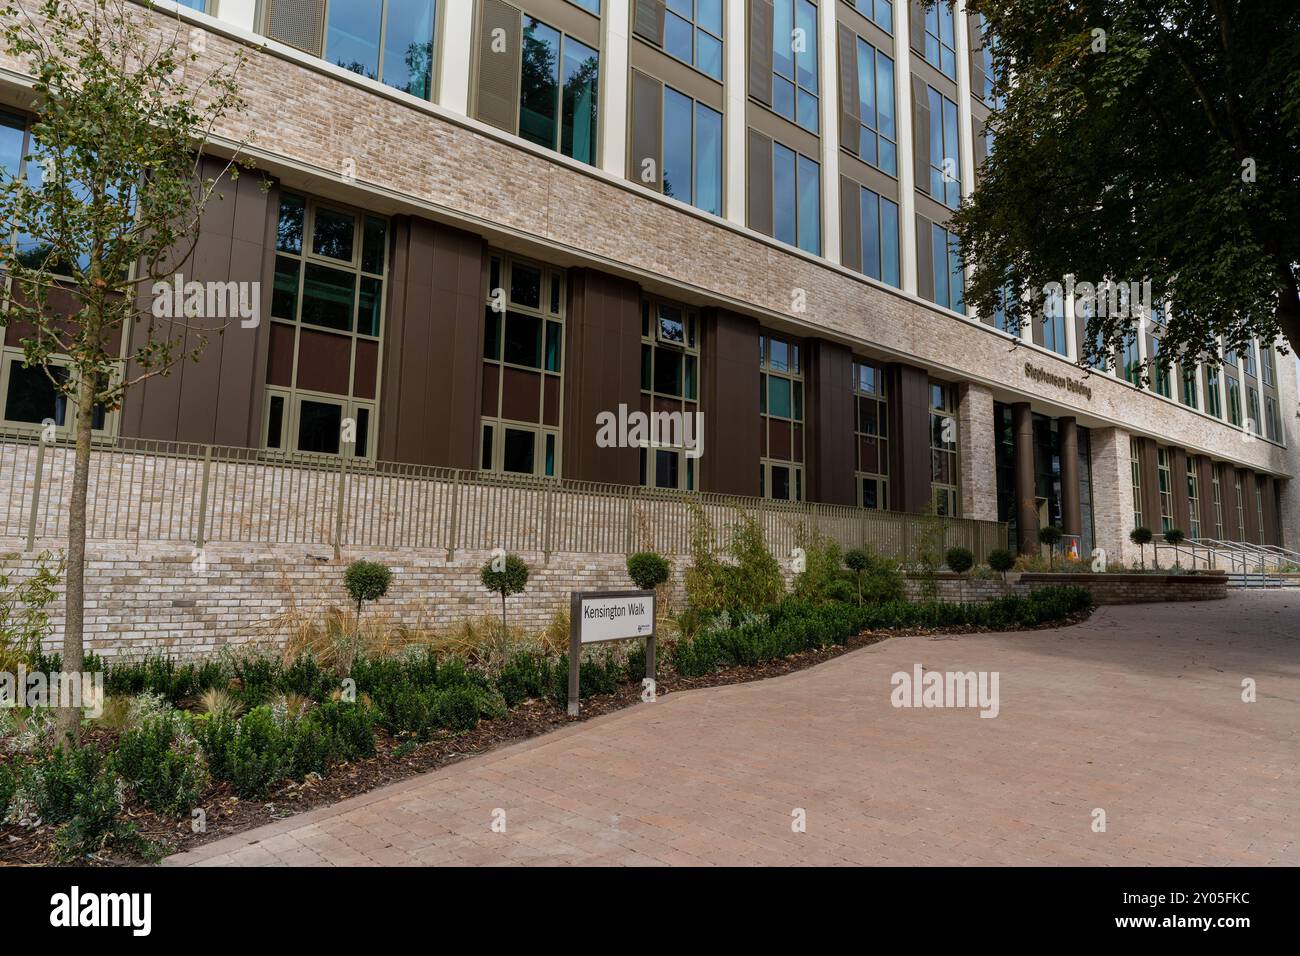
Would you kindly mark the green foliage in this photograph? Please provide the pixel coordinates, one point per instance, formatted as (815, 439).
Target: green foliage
(824, 577)
(24, 618)
(753, 581)
(161, 762)
(527, 675)
(505, 576)
(8, 783)
(1049, 535)
(1224, 159)
(705, 578)
(877, 577)
(1141, 537)
(1000, 559)
(648, 570)
(959, 560)
(258, 754)
(418, 695)
(1175, 536)
(366, 581)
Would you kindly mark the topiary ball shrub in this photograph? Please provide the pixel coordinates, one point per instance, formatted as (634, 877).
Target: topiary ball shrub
(1001, 560)
(367, 581)
(648, 570)
(959, 560)
(505, 575)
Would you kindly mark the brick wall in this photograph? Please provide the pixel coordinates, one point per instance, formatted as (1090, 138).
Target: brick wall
(1105, 588)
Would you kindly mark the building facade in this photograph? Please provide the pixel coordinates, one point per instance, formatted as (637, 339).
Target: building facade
(490, 226)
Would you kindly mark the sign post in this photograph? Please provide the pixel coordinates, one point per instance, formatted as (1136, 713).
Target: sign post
(596, 616)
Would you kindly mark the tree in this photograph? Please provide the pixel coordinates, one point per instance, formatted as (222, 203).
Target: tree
(1141, 537)
(648, 570)
(1174, 537)
(858, 560)
(1000, 559)
(1156, 140)
(959, 560)
(505, 575)
(366, 581)
(110, 206)
(1049, 536)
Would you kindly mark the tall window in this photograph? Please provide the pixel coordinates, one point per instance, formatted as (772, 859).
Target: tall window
(1193, 497)
(880, 12)
(693, 34)
(988, 45)
(1212, 403)
(945, 150)
(670, 364)
(794, 61)
(1135, 472)
(879, 228)
(557, 95)
(1241, 507)
(523, 354)
(1166, 489)
(1234, 401)
(1161, 380)
(949, 279)
(1132, 359)
(1272, 423)
(796, 199)
(943, 449)
(1256, 420)
(1189, 396)
(780, 397)
(1218, 502)
(1249, 356)
(692, 143)
(871, 429)
(1267, 368)
(876, 134)
(1054, 336)
(940, 39)
(326, 332)
(388, 40)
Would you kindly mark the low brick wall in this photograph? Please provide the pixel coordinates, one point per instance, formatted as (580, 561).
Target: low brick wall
(1105, 588)
(162, 598)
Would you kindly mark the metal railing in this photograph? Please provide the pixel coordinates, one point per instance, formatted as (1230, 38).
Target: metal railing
(145, 490)
(1235, 557)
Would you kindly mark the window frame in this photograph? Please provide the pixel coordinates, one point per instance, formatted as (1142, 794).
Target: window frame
(696, 106)
(529, 21)
(687, 470)
(1193, 498)
(793, 81)
(798, 210)
(873, 75)
(946, 409)
(696, 29)
(1135, 474)
(794, 373)
(934, 22)
(382, 48)
(954, 297)
(1165, 483)
(950, 186)
(880, 397)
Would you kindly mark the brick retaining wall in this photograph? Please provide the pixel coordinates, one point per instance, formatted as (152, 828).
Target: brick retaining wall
(1105, 588)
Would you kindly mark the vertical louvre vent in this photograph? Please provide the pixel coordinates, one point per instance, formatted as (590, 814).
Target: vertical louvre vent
(298, 23)
(500, 37)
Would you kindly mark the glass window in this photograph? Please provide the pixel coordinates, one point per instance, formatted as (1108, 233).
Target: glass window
(692, 144)
(693, 34)
(794, 62)
(1189, 394)
(1166, 489)
(871, 432)
(943, 449)
(330, 289)
(949, 278)
(876, 136)
(1233, 388)
(781, 418)
(881, 12)
(1054, 323)
(1135, 473)
(1193, 498)
(945, 150)
(1272, 421)
(559, 81)
(1256, 422)
(670, 381)
(1212, 404)
(879, 236)
(796, 199)
(390, 40)
(940, 39)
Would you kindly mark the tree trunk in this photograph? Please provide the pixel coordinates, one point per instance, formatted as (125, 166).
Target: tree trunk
(69, 718)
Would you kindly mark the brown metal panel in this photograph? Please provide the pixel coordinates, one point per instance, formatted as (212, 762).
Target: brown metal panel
(848, 66)
(323, 361)
(850, 224)
(916, 26)
(1205, 491)
(366, 371)
(1182, 503)
(433, 369)
(521, 397)
(830, 477)
(729, 400)
(1249, 505)
(924, 258)
(1147, 460)
(279, 366)
(759, 184)
(491, 386)
(909, 433)
(497, 74)
(760, 50)
(1268, 496)
(648, 21)
(647, 131)
(602, 372)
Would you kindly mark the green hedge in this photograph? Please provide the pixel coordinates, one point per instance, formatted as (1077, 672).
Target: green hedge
(794, 625)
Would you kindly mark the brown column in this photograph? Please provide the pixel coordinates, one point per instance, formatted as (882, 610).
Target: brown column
(1205, 474)
(431, 395)
(1182, 504)
(1022, 423)
(603, 371)
(729, 401)
(1248, 503)
(1227, 475)
(1071, 511)
(1150, 487)
(1268, 489)
(830, 461)
(909, 439)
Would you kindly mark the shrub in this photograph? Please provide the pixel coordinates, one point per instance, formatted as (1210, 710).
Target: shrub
(161, 762)
(959, 560)
(877, 578)
(1050, 536)
(8, 783)
(823, 577)
(366, 581)
(1175, 537)
(505, 576)
(648, 570)
(525, 676)
(1001, 560)
(348, 727)
(1141, 537)
(754, 581)
(306, 677)
(258, 754)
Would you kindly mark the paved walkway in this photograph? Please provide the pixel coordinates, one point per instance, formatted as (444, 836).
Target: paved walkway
(1138, 712)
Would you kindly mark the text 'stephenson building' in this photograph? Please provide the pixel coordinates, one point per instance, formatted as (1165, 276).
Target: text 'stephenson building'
(490, 223)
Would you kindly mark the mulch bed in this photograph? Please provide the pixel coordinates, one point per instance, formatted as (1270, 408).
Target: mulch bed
(227, 814)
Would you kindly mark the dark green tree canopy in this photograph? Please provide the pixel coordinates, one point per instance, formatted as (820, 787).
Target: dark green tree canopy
(1145, 139)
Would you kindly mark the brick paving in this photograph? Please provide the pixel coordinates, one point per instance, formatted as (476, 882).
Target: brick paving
(1137, 712)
